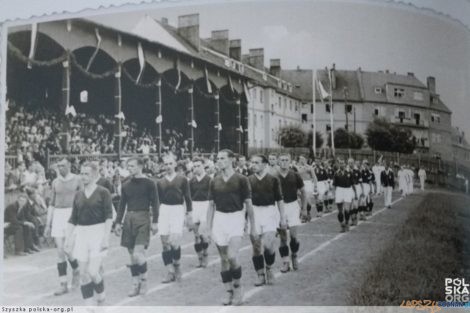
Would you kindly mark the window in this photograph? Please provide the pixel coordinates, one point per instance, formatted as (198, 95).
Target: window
(280, 102)
(348, 108)
(290, 105)
(398, 92)
(304, 118)
(376, 111)
(328, 128)
(261, 92)
(255, 121)
(285, 103)
(296, 107)
(327, 108)
(418, 96)
(378, 90)
(401, 116)
(346, 127)
(417, 118)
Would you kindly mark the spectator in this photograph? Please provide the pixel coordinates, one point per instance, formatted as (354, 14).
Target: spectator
(19, 227)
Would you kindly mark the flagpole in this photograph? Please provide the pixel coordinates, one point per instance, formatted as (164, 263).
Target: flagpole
(314, 117)
(331, 115)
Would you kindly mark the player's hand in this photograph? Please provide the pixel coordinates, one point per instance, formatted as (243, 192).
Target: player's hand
(283, 224)
(104, 244)
(253, 233)
(154, 228)
(189, 221)
(118, 229)
(304, 214)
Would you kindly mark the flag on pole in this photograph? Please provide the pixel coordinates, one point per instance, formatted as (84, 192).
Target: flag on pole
(120, 116)
(240, 129)
(219, 126)
(323, 93)
(193, 124)
(159, 119)
(32, 48)
(208, 83)
(140, 54)
(70, 110)
(98, 44)
(230, 84)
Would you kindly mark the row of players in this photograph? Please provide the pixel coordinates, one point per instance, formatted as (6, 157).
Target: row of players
(217, 209)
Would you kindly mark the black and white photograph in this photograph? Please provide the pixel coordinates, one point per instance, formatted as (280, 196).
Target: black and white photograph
(308, 154)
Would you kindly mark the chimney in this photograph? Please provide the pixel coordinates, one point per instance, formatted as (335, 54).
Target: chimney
(235, 50)
(275, 67)
(431, 81)
(333, 77)
(219, 41)
(164, 21)
(411, 74)
(188, 28)
(256, 58)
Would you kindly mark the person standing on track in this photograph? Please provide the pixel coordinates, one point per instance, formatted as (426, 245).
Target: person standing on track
(366, 204)
(357, 187)
(88, 232)
(322, 187)
(422, 177)
(138, 195)
(174, 193)
(228, 193)
(273, 167)
(330, 194)
(199, 187)
(344, 194)
(266, 194)
(64, 188)
(387, 179)
(310, 182)
(291, 184)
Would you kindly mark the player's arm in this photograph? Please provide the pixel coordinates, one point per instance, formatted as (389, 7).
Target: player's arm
(155, 202)
(73, 221)
(251, 216)
(211, 208)
(280, 201)
(50, 211)
(108, 211)
(189, 204)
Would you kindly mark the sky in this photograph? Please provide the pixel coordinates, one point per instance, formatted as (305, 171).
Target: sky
(374, 35)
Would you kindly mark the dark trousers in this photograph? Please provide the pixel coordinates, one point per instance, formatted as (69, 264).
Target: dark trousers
(23, 237)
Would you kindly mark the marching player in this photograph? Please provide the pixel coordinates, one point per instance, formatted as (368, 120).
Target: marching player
(266, 194)
(90, 222)
(322, 187)
(64, 188)
(138, 195)
(387, 179)
(330, 198)
(199, 187)
(344, 194)
(291, 184)
(357, 182)
(173, 190)
(273, 167)
(228, 192)
(365, 206)
(310, 182)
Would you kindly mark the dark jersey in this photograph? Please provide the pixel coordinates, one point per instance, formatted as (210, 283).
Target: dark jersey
(200, 189)
(265, 191)
(330, 172)
(321, 173)
(367, 176)
(229, 195)
(138, 194)
(175, 192)
(93, 210)
(387, 178)
(106, 183)
(356, 176)
(290, 184)
(343, 178)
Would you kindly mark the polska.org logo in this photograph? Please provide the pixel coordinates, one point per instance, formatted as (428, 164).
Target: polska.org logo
(456, 290)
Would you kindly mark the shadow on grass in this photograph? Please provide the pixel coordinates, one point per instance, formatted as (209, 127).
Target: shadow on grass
(426, 250)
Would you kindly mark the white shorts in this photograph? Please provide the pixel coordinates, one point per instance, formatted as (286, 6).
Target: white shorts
(344, 195)
(200, 211)
(358, 188)
(322, 187)
(292, 213)
(267, 218)
(227, 225)
(308, 185)
(171, 220)
(366, 189)
(60, 221)
(87, 242)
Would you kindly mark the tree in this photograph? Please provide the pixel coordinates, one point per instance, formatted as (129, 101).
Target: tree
(345, 139)
(291, 137)
(318, 139)
(383, 136)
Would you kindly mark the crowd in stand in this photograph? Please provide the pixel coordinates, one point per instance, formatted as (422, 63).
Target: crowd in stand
(32, 132)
